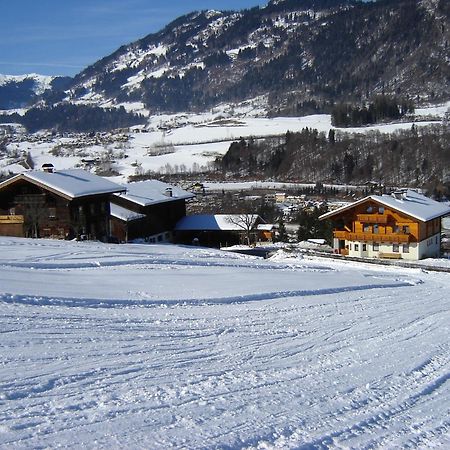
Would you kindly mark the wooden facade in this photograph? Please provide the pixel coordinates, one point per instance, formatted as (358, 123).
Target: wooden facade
(45, 212)
(156, 225)
(12, 225)
(220, 230)
(372, 228)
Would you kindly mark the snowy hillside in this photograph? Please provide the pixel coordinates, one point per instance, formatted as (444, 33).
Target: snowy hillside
(41, 82)
(19, 91)
(172, 347)
(298, 53)
(178, 142)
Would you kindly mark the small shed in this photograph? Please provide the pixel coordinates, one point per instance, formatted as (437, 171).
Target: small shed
(217, 230)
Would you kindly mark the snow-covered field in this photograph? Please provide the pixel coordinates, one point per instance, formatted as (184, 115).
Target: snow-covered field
(160, 347)
(187, 142)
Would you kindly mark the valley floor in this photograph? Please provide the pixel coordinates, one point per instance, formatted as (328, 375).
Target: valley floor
(133, 346)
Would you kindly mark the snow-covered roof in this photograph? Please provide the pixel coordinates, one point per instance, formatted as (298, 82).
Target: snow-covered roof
(71, 184)
(217, 222)
(408, 202)
(150, 192)
(266, 226)
(124, 214)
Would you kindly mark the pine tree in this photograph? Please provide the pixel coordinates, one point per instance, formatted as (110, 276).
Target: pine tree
(282, 233)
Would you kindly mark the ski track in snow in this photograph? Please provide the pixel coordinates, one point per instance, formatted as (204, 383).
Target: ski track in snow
(353, 357)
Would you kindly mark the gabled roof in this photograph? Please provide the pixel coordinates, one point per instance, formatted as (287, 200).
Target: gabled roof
(151, 192)
(408, 202)
(217, 222)
(68, 183)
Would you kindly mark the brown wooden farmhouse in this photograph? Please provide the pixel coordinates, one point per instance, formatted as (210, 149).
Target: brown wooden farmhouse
(403, 225)
(148, 210)
(56, 204)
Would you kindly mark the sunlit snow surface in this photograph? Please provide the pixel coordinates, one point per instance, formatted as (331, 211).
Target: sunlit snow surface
(126, 346)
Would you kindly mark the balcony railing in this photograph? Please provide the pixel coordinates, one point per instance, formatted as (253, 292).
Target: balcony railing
(372, 218)
(11, 219)
(372, 237)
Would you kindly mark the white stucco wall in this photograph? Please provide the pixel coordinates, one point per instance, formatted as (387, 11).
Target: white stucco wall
(431, 247)
(428, 248)
(357, 249)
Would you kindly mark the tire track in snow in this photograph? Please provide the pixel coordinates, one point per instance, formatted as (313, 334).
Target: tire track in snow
(423, 378)
(120, 303)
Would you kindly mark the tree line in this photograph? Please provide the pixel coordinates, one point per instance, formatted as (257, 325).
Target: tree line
(74, 118)
(382, 108)
(417, 157)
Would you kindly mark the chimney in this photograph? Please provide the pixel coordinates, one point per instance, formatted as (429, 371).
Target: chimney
(169, 192)
(400, 194)
(48, 167)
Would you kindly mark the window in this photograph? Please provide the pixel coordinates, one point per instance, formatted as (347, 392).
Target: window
(381, 210)
(406, 229)
(364, 247)
(395, 248)
(12, 211)
(376, 247)
(375, 228)
(52, 213)
(369, 209)
(366, 228)
(405, 248)
(356, 247)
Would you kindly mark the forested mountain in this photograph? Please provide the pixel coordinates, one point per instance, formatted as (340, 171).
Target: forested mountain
(304, 55)
(296, 56)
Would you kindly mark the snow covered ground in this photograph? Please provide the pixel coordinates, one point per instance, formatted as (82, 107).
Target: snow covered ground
(133, 346)
(189, 141)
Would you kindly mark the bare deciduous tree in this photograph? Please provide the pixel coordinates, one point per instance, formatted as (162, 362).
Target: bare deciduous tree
(244, 222)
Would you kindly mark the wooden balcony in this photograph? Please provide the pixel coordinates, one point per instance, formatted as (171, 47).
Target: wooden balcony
(372, 237)
(372, 218)
(11, 219)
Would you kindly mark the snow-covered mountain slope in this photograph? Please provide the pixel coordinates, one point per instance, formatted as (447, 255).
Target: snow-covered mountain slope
(17, 91)
(41, 82)
(162, 347)
(301, 54)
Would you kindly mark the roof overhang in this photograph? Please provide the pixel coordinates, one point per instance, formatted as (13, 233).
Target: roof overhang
(56, 191)
(379, 200)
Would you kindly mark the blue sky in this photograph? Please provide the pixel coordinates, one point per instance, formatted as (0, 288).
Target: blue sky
(62, 37)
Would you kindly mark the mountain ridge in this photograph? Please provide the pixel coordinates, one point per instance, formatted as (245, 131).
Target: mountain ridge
(301, 55)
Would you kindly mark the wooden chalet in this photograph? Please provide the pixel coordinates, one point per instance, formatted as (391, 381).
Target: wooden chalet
(59, 204)
(218, 230)
(148, 210)
(403, 225)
